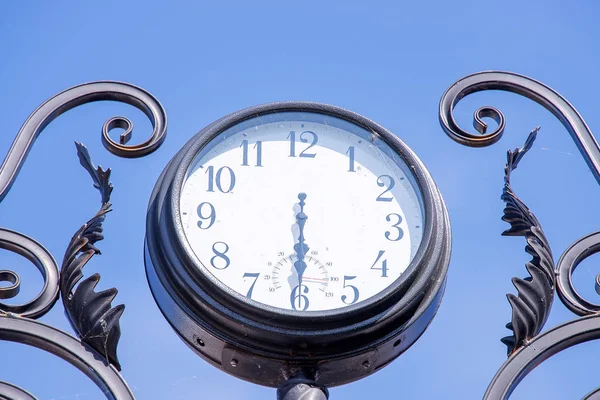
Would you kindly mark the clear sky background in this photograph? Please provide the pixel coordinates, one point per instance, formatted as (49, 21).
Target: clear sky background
(390, 61)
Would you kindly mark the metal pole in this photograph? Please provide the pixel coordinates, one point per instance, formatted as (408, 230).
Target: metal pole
(302, 388)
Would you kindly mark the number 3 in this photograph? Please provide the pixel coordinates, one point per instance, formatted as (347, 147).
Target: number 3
(396, 225)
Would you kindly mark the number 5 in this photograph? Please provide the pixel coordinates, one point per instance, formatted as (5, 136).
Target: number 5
(354, 289)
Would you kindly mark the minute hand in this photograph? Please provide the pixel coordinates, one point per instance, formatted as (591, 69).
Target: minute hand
(301, 248)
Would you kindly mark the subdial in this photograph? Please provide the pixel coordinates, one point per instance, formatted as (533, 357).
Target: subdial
(284, 273)
(314, 283)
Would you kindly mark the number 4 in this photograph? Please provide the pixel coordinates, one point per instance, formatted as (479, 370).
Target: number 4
(383, 267)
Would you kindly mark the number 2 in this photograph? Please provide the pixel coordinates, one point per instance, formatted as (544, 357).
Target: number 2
(387, 187)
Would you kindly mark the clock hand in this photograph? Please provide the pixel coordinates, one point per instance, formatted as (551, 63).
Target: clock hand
(301, 248)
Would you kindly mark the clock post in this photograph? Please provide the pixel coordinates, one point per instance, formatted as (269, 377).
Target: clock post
(301, 388)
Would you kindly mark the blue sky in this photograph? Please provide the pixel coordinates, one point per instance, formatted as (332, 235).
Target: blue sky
(390, 61)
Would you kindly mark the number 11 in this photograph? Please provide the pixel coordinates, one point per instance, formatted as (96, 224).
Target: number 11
(258, 147)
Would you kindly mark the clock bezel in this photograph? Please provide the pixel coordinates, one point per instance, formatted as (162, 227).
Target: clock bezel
(199, 305)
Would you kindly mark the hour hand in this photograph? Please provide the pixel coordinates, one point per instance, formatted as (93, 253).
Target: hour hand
(301, 248)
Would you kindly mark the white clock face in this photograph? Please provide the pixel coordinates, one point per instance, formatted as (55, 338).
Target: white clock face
(302, 211)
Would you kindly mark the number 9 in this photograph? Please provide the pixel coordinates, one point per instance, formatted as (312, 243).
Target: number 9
(211, 216)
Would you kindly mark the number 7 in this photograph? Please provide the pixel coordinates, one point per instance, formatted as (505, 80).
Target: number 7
(251, 275)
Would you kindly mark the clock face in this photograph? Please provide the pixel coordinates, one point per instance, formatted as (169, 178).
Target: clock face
(302, 211)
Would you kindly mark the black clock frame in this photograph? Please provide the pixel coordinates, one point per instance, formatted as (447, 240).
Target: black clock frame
(268, 345)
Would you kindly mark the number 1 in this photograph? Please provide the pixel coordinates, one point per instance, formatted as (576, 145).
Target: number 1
(350, 153)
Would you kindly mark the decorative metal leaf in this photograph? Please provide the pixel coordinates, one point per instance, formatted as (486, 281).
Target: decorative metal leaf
(531, 306)
(91, 313)
(99, 176)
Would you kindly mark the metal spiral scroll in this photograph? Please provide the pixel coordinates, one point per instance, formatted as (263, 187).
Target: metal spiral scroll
(31, 129)
(572, 257)
(83, 94)
(531, 350)
(14, 392)
(80, 355)
(525, 86)
(90, 313)
(45, 263)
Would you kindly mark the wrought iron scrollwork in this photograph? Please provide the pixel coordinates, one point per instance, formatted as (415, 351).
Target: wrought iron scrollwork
(45, 263)
(83, 94)
(525, 86)
(560, 338)
(13, 392)
(531, 307)
(31, 129)
(575, 254)
(540, 349)
(78, 354)
(90, 313)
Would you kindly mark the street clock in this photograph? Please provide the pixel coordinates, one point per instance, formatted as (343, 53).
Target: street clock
(297, 239)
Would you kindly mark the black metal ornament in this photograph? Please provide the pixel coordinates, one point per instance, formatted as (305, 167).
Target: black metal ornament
(13, 392)
(527, 348)
(525, 86)
(79, 95)
(532, 305)
(90, 313)
(44, 262)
